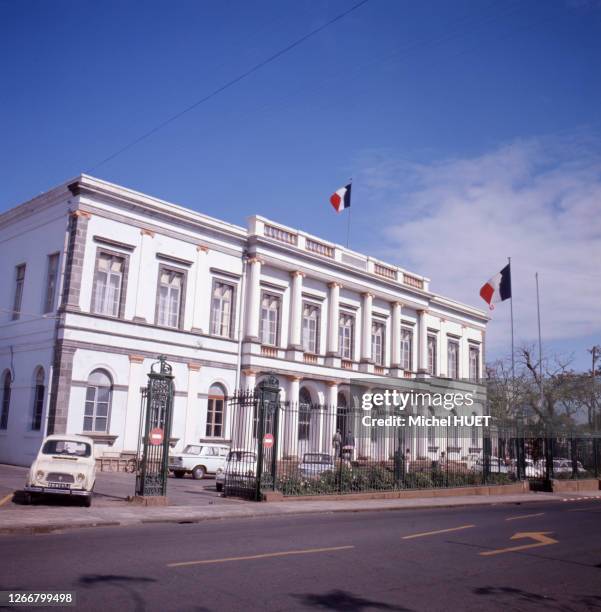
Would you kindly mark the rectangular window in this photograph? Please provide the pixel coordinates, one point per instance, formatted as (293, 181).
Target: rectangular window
(19, 282)
(310, 328)
(108, 281)
(346, 328)
(171, 287)
(453, 359)
(377, 342)
(51, 280)
(221, 309)
(407, 349)
(474, 363)
(270, 316)
(431, 355)
(215, 418)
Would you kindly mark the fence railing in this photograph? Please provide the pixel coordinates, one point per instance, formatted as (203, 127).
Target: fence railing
(311, 449)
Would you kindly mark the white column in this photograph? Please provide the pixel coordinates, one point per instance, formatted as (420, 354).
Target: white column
(422, 341)
(253, 301)
(243, 420)
(193, 423)
(144, 280)
(132, 412)
(330, 417)
(333, 313)
(296, 306)
(290, 444)
(200, 318)
(366, 356)
(395, 348)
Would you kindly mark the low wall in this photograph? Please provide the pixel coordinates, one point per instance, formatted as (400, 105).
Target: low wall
(565, 486)
(509, 489)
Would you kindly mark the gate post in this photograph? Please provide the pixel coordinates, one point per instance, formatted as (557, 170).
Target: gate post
(267, 406)
(151, 476)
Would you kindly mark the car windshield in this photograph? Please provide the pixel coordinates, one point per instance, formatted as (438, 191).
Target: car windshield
(192, 449)
(317, 458)
(67, 447)
(241, 456)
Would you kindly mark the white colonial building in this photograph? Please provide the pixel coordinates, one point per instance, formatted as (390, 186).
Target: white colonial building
(100, 279)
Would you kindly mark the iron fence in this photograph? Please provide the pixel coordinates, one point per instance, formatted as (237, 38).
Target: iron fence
(314, 449)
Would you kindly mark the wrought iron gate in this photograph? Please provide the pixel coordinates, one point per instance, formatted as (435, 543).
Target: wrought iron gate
(155, 430)
(252, 461)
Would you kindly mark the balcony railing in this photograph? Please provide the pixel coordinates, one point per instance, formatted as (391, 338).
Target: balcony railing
(385, 271)
(310, 358)
(277, 233)
(269, 351)
(413, 281)
(347, 365)
(320, 248)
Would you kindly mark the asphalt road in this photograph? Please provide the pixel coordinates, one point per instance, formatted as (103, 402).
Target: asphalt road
(396, 560)
(114, 487)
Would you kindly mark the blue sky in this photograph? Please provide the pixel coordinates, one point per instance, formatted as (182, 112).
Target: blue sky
(471, 129)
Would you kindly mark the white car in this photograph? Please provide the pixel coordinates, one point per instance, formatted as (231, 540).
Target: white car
(240, 463)
(315, 464)
(65, 465)
(199, 460)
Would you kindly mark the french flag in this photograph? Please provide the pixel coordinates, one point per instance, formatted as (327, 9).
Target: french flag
(341, 198)
(498, 288)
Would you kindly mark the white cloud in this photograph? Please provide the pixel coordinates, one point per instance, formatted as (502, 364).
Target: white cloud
(457, 220)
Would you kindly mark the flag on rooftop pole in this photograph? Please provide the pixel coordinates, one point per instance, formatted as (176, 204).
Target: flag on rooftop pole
(341, 198)
(498, 288)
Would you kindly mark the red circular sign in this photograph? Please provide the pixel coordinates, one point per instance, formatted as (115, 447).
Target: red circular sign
(268, 440)
(156, 436)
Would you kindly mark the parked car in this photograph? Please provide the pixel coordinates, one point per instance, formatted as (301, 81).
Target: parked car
(496, 466)
(65, 465)
(564, 466)
(198, 460)
(240, 463)
(534, 470)
(314, 464)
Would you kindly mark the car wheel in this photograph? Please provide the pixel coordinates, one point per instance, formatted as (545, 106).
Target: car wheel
(198, 473)
(26, 499)
(87, 501)
(179, 474)
(219, 487)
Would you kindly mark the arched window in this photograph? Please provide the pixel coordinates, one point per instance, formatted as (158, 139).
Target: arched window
(304, 414)
(215, 412)
(431, 430)
(454, 431)
(474, 431)
(38, 400)
(341, 414)
(6, 384)
(98, 402)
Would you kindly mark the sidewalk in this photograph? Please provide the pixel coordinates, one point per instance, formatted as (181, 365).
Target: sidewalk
(45, 519)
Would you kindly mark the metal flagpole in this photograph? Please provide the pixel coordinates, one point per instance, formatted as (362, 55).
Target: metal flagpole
(348, 223)
(540, 347)
(511, 311)
(348, 228)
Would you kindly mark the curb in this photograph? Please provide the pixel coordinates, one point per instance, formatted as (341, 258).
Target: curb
(38, 529)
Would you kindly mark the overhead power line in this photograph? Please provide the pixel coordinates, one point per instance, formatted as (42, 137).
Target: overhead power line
(229, 84)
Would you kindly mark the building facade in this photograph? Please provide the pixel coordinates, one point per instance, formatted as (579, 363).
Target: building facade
(100, 279)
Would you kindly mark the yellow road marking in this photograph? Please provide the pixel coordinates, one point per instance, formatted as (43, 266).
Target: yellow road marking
(6, 498)
(428, 533)
(521, 516)
(541, 540)
(261, 556)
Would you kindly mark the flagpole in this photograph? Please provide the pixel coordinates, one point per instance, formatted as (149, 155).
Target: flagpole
(348, 222)
(511, 311)
(540, 347)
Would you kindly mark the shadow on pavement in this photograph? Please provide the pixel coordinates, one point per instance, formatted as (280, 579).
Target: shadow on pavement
(343, 600)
